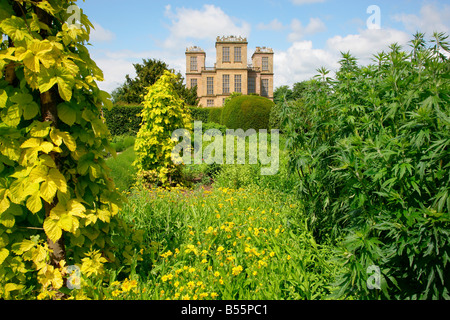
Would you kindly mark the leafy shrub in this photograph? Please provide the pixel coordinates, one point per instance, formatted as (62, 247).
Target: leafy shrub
(199, 114)
(213, 125)
(164, 112)
(371, 150)
(123, 120)
(247, 112)
(215, 115)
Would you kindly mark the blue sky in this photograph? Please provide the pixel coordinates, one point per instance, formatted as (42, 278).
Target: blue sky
(305, 34)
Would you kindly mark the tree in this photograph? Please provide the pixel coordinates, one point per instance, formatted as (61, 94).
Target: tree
(282, 94)
(55, 190)
(147, 73)
(164, 112)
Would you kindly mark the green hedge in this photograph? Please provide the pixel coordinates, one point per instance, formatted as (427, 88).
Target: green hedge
(215, 115)
(199, 114)
(247, 112)
(123, 120)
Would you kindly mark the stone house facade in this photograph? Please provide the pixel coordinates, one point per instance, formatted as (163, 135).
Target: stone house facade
(231, 72)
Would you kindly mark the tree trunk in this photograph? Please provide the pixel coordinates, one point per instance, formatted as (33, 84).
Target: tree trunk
(49, 112)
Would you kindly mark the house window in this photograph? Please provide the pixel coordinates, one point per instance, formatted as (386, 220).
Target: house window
(193, 83)
(265, 64)
(251, 85)
(193, 63)
(210, 86)
(226, 83)
(237, 83)
(237, 54)
(226, 54)
(265, 87)
(210, 103)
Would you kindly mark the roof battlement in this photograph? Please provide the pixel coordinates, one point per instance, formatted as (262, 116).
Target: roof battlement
(231, 39)
(263, 50)
(194, 49)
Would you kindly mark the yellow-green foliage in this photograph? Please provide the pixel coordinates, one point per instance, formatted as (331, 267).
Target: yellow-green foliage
(164, 112)
(54, 182)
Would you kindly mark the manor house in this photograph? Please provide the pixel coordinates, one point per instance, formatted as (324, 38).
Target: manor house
(231, 72)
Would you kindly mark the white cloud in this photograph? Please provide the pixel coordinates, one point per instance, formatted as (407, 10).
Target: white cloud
(367, 43)
(302, 2)
(300, 63)
(301, 60)
(299, 31)
(273, 25)
(207, 23)
(100, 34)
(430, 19)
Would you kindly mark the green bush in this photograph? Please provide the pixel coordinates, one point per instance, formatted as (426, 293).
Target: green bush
(371, 150)
(123, 120)
(215, 115)
(199, 114)
(247, 112)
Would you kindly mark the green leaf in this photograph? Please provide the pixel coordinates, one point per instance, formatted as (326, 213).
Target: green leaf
(67, 114)
(58, 179)
(34, 203)
(52, 230)
(30, 111)
(3, 98)
(48, 190)
(4, 253)
(7, 219)
(40, 129)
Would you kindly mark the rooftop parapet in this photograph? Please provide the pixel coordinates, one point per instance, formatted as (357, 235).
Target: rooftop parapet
(194, 49)
(263, 50)
(231, 39)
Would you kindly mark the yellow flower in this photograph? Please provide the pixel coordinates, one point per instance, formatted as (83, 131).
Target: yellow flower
(218, 216)
(176, 284)
(191, 284)
(115, 293)
(186, 297)
(217, 274)
(191, 248)
(236, 270)
(214, 295)
(272, 254)
(191, 270)
(220, 249)
(192, 233)
(204, 261)
(255, 273)
(288, 257)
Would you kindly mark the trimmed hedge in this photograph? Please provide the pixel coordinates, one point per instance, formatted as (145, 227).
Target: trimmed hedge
(123, 120)
(199, 114)
(247, 112)
(215, 115)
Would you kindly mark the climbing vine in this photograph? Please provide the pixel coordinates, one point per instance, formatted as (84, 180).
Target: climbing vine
(57, 202)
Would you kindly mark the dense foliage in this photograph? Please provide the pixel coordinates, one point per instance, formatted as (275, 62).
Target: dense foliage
(123, 120)
(147, 73)
(247, 112)
(58, 204)
(371, 150)
(164, 112)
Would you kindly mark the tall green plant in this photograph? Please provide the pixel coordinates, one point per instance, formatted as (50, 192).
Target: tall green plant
(57, 202)
(372, 154)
